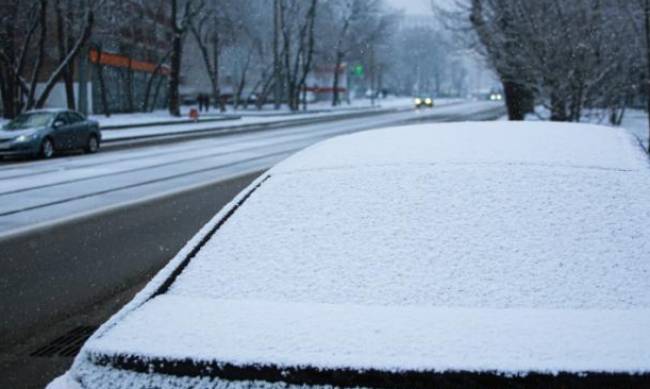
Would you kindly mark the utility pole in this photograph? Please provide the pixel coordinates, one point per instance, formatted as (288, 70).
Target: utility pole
(277, 84)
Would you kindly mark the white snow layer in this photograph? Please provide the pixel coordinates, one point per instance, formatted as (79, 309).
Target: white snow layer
(474, 246)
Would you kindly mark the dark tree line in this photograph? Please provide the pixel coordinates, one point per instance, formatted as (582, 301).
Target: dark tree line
(26, 31)
(570, 56)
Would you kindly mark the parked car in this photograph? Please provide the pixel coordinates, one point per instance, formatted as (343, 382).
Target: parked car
(42, 133)
(451, 255)
(426, 102)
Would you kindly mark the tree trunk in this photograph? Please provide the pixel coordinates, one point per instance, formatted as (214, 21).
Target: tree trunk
(39, 59)
(130, 102)
(62, 40)
(10, 79)
(242, 81)
(7, 84)
(307, 63)
(515, 96)
(156, 93)
(99, 68)
(216, 86)
(646, 12)
(335, 84)
(72, 54)
(558, 107)
(150, 81)
(174, 75)
(277, 68)
(3, 91)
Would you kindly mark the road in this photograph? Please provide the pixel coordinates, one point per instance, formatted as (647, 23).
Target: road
(80, 234)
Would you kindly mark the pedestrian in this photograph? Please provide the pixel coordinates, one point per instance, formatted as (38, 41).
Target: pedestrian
(199, 99)
(206, 102)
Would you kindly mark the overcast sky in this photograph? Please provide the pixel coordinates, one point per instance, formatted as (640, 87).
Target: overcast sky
(412, 6)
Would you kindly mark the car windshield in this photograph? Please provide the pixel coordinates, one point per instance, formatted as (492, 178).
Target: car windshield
(30, 120)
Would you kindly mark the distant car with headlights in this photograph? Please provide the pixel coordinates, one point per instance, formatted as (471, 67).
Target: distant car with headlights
(42, 133)
(423, 102)
(495, 96)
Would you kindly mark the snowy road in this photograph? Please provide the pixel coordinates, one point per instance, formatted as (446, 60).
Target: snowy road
(109, 221)
(38, 193)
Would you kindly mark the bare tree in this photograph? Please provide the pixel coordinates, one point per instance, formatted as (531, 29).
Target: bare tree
(180, 21)
(571, 55)
(357, 24)
(646, 13)
(208, 31)
(297, 28)
(22, 57)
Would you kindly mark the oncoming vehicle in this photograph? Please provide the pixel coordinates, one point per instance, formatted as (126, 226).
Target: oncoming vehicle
(495, 96)
(42, 133)
(426, 102)
(451, 255)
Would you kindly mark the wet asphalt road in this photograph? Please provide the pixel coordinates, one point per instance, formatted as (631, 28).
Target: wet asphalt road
(77, 274)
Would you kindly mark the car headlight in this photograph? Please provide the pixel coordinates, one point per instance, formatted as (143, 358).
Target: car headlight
(25, 138)
(428, 101)
(418, 101)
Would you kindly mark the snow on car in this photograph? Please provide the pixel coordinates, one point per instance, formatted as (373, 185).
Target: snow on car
(451, 254)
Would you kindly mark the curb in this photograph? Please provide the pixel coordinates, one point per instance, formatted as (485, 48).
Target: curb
(135, 140)
(169, 122)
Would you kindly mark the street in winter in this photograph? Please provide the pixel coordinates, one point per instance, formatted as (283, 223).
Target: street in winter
(324, 194)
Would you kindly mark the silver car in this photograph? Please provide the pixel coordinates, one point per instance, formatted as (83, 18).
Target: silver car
(42, 133)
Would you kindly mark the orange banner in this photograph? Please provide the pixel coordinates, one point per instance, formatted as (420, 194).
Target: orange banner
(122, 61)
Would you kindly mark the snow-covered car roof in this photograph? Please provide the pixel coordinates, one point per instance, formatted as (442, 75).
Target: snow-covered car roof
(409, 252)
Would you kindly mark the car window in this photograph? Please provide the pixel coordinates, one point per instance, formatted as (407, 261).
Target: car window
(29, 120)
(62, 117)
(71, 118)
(75, 117)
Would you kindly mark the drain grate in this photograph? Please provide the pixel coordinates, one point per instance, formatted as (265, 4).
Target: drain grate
(66, 345)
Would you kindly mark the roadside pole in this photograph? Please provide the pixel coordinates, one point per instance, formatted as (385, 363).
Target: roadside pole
(82, 88)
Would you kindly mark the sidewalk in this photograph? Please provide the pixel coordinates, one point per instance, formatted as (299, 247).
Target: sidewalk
(245, 121)
(635, 121)
(242, 123)
(123, 127)
(161, 117)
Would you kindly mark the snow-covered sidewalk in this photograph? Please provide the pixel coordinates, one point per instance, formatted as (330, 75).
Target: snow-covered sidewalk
(246, 120)
(635, 121)
(161, 123)
(163, 130)
(159, 116)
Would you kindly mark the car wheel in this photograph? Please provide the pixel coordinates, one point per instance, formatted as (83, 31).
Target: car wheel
(47, 149)
(93, 144)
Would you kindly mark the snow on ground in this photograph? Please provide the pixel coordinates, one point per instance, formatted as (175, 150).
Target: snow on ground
(443, 107)
(185, 127)
(318, 107)
(38, 192)
(635, 121)
(401, 337)
(508, 247)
